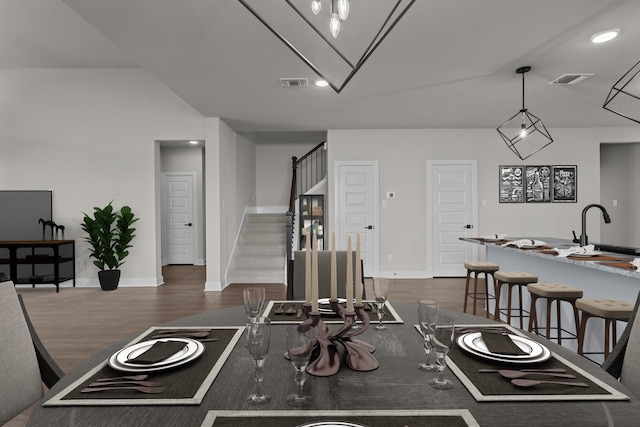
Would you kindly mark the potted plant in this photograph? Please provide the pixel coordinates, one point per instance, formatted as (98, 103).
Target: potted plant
(109, 235)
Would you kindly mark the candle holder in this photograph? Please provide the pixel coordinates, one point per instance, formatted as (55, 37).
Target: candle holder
(358, 353)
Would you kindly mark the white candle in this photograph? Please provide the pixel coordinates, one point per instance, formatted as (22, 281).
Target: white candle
(314, 275)
(334, 268)
(307, 268)
(349, 283)
(358, 272)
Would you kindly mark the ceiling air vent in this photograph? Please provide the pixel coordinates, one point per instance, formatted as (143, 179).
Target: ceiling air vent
(294, 82)
(570, 79)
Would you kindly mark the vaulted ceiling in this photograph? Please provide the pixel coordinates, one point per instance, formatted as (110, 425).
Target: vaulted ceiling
(447, 64)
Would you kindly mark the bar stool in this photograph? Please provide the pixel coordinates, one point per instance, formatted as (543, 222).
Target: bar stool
(479, 267)
(553, 292)
(511, 278)
(610, 310)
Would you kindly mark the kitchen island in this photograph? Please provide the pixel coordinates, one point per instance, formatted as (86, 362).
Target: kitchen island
(606, 276)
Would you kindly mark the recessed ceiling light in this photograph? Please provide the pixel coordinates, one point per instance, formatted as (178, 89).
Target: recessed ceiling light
(605, 36)
(193, 142)
(321, 83)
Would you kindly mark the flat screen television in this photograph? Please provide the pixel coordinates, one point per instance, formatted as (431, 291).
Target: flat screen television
(20, 212)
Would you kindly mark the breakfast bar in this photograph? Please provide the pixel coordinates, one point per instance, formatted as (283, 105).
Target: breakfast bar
(607, 275)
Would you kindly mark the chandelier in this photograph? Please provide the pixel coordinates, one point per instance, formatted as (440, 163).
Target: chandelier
(310, 29)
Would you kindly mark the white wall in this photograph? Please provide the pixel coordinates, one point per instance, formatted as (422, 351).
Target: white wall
(90, 136)
(228, 156)
(402, 157)
(620, 176)
(274, 151)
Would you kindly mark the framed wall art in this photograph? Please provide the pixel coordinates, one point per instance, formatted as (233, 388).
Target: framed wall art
(564, 184)
(538, 181)
(511, 184)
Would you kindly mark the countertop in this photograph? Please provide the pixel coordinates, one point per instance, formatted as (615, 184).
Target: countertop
(562, 244)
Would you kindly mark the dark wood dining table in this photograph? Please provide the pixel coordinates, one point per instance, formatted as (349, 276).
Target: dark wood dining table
(397, 385)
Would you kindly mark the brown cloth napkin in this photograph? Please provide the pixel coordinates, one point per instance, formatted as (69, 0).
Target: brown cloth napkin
(501, 343)
(158, 352)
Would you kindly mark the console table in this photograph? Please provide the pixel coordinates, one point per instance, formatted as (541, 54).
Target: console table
(30, 261)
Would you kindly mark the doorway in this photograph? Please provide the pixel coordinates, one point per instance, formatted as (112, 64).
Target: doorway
(356, 209)
(179, 214)
(452, 211)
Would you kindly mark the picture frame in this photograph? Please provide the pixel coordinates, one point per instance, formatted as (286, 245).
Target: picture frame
(538, 184)
(511, 184)
(564, 184)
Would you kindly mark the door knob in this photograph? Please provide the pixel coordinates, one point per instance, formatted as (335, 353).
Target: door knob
(189, 224)
(368, 227)
(468, 226)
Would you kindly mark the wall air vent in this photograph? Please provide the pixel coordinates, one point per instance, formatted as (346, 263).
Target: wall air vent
(570, 79)
(294, 82)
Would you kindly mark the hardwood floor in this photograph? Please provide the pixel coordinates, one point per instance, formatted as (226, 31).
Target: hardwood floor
(78, 322)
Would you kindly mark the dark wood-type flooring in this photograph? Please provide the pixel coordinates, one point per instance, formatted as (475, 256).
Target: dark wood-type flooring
(78, 322)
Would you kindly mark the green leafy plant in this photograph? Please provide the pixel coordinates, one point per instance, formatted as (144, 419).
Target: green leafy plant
(109, 235)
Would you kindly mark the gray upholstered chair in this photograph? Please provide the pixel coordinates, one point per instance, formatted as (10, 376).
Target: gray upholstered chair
(324, 274)
(623, 362)
(20, 371)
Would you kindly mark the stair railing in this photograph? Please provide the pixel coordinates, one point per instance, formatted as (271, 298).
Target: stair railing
(313, 168)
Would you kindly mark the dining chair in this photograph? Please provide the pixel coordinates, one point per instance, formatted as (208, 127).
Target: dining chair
(295, 291)
(24, 362)
(623, 362)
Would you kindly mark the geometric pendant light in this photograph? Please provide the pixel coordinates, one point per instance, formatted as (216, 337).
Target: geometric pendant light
(623, 97)
(524, 133)
(310, 31)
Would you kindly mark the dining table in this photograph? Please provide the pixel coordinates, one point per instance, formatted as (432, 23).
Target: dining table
(212, 389)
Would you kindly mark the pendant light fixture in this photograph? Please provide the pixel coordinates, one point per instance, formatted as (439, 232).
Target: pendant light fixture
(314, 31)
(624, 96)
(524, 133)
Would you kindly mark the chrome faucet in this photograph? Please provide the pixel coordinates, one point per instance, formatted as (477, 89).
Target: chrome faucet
(584, 239)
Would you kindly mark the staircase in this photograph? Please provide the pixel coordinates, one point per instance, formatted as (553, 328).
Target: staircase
(261, 252)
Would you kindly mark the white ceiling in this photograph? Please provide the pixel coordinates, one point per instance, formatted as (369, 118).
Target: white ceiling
(447, 64)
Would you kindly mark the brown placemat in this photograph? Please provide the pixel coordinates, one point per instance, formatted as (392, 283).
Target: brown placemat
(624, 265)
(493, 387)
(390, 315)
(595, 258)
(186, 384)
(392, 418)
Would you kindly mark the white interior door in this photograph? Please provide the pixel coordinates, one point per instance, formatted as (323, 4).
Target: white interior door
(179, 218)
(453, 215)
(355, 207)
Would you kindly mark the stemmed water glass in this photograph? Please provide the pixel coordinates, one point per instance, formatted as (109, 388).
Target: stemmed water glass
(299, 347)
(442, 339)
(427, 318)
(258, 335)
(254, 300)
(380, 289)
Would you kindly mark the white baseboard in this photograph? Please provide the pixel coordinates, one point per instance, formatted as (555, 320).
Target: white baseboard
(124, 283)
(404, 275)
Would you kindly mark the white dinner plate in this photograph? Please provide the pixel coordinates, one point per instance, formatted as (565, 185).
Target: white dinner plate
(326, 301)
(546, 354)
(115, 364)
(586, 254)
(332, 424)
(532, 349)
(126, 355)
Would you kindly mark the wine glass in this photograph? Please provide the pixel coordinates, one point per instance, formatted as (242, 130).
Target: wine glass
(427, 318)
(380, 289)
(300, 346)
(258, 334)
(254, 299)
(442, 339)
